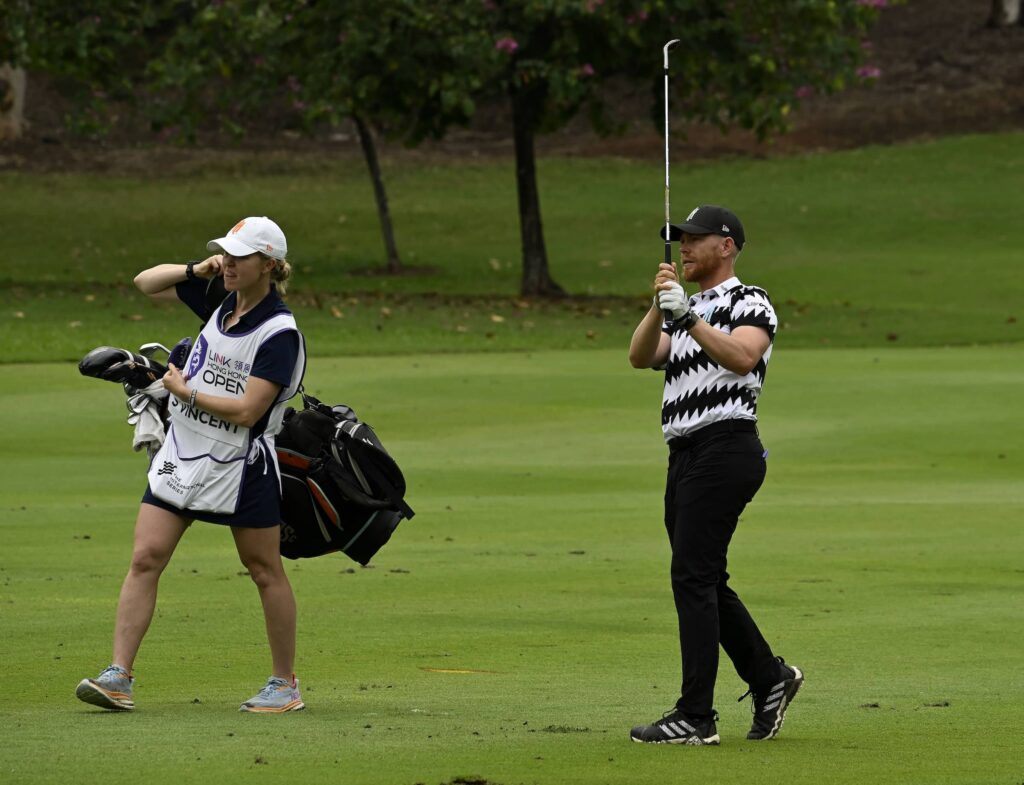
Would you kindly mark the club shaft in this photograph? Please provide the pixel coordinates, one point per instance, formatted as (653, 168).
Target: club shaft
(668, 211)
(668, 243)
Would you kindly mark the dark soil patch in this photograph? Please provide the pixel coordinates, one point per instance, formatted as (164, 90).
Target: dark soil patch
(470, 780)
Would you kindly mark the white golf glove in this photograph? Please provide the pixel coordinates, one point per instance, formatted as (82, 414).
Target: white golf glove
(674, 301)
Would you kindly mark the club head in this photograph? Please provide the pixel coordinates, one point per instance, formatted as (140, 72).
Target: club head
(665, 49)
(149, 349)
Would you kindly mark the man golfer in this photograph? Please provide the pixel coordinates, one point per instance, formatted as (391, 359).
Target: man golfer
(714, 349)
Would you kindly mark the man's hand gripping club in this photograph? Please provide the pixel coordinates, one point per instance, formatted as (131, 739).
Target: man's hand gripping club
(671, 298)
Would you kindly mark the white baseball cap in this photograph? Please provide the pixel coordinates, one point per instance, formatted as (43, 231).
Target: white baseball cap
(252, 235)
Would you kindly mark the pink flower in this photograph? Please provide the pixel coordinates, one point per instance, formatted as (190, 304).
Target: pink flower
(804, 91)
(506, 45)
(869, 72)
(587, 70)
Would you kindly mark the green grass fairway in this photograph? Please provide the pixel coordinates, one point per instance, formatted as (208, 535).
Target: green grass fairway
(522, 623)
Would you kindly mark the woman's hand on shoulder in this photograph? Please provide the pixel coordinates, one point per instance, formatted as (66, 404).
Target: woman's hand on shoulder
(210, 267)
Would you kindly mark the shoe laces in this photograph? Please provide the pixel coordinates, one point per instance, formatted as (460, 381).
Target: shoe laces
(115, 671)
(756, 695)
(272, 686)
(674, 713)
(753, 699)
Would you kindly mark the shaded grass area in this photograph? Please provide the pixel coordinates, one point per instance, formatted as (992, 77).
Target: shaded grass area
(38, 324)
(522, 622)
(873, 246)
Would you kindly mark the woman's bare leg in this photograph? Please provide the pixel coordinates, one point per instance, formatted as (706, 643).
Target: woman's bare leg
(260, 552)
(157, 533)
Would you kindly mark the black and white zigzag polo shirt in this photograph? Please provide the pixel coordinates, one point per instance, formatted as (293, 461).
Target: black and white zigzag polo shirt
(698, 391)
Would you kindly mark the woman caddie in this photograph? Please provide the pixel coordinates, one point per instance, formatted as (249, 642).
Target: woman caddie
(218, 463)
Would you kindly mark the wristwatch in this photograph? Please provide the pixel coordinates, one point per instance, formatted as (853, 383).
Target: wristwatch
(689, 319)
(189, 272)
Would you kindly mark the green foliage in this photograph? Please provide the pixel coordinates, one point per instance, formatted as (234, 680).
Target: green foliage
(740, 62)
(415, 67)
(13, 31)
(408, 66)
(411, 67)
(549, 52)
(97, 51)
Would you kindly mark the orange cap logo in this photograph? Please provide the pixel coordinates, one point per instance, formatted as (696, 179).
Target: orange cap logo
(270, 247)
(238, 227)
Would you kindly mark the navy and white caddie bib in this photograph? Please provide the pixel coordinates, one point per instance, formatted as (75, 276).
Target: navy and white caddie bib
(202, 461)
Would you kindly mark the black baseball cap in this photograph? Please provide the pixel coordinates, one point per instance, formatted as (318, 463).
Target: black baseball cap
(709, 219)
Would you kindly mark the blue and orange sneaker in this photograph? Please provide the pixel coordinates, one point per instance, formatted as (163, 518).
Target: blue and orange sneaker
(111, 690)
(279, 695)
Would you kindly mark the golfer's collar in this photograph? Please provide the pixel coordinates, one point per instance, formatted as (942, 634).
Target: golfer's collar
(718, 291)
(268, 305)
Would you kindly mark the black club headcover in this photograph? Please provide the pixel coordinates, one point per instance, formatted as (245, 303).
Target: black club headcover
(179, 354)
(120, 365)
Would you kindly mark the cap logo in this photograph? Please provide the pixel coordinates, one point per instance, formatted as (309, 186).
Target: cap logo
(690, 216)
(725, 228)
(270, 247)
(238, 227)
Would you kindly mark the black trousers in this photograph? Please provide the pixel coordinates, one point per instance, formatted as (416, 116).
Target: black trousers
(711, 478)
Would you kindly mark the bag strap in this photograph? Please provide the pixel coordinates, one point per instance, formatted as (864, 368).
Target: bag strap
(390, 491)
(369, 468)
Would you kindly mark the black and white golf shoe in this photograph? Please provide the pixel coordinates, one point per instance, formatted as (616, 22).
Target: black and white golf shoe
(769, 706)
(676, 728)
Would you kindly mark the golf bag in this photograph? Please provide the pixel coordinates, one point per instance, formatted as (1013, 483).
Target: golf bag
(341, 489)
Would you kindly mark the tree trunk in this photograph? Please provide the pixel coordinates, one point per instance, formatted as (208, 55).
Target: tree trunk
(1005, 13)
(12, 101)
(537, 280)
(370, 154)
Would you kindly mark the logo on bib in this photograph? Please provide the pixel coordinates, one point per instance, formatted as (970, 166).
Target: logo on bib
(198, 357)
(167, 468)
